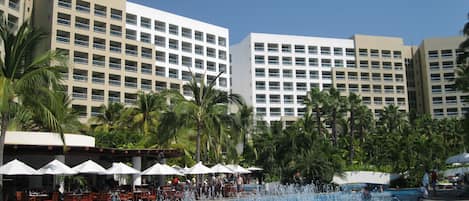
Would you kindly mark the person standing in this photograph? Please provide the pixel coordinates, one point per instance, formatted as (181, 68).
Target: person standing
(434, 180)
(425, 182)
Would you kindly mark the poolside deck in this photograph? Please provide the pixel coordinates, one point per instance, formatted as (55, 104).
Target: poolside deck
(449, 195)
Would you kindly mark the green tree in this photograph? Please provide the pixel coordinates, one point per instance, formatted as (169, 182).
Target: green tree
(206, 109)
(335, 106)
(109, 117)
(462, 81)
(147, 110)
(315, 103)
(23, 73)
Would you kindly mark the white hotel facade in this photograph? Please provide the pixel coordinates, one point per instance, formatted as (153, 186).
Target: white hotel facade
(273, 73)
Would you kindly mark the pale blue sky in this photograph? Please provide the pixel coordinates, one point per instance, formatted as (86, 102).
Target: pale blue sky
(413, 20)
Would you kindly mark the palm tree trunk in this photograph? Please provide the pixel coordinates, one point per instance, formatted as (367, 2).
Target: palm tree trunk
(362, 134)
(197, 156)
(334, 128)
(351, 148)
(4, 124)
(318, 119)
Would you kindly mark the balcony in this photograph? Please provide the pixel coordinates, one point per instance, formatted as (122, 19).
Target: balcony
(62, 21)
(116, 16)
(147, 55)
(80, 60)
(115, 49)
(146, 86)
(80, 78)
(99, 98)
(113, 99)
(97, 80)
(130, 101)
(83, 43)
(62, 39)
(131, 36)
(99, 29)
(99, 46)
(82, 25)
(116, 33)
(115, 82)
(130, 68)
(79, 96)
(115, 66)
(64, 4)
(13, 5)
(146, 71)
(130, 84)
(99, 63)
(82, 8)
(131, 52)
(101, 13)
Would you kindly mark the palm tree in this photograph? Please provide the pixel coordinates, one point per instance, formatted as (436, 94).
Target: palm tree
(315, 102)
(23, 73)
(392, 120)
(244, 119)
(109, 117)
(462, 81)
(354, 102)
(147, 110)
(335, 106)
(207, 108)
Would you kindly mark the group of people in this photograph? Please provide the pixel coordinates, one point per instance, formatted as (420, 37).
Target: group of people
(429, 179)
(212, 186)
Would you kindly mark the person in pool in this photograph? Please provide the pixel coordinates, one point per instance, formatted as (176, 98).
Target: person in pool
(366, 195)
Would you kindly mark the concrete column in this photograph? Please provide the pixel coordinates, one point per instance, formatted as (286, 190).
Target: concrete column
(137, 162)
(57, 179)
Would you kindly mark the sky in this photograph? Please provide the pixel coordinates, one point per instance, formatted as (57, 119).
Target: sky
(413, 20)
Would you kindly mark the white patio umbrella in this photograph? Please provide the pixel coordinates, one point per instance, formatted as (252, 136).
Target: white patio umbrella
(16, 167)
(121, 168)
(253, 168)
(460, 158)
(56, 167)
(238, 169)
(161, 169)
(198, 168)
(219, 168)
(454, 171)
(89, 167)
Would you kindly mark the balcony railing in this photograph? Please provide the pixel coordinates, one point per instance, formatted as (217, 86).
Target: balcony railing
(99, 29)
(131, 68)
(130, 101)
(112, 99)
(115, 49)
(63, 21)
(115, 82)
(82, 25)
(146, 71)
(63, 39)
(82, 8)
(64, 4)
(80, 60)
(146, 86)
(131, 84)
(80, 78)
(131, 52)
(99, 46)
(115, 66)
(97, 98)
(81, 96)
(99, 13)
(99, 63)
(97, 80)
(81, 42)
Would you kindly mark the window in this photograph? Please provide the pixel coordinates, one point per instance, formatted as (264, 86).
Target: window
(436, 89)
(274, 98)
(131, 19)
(173, 59)
(435, 77)
(160, 56)
(82, 23)
(131, 34)
(145, 37)
(145, 22)
(173, 29)
(313, 75)
(199, 50)
(211, 52)
(274, 73)
(116, 14)
(173, 44)
(301, 86)
(288, 86)
(186, 32)
(338, 51)
(63, 19)
(222, 55)
(326, 75)
(160, 26)
(272, 47)
(286, 48)
(287, 99)
(374, 53)
(259, 46)
(63, 36)
(273, 60)
(326, 63)
(287, 73)
(349, 51)
(434, 66)
(325, 50)
(397, 54)
(81, 6)
(259, 59)
(351, 64)
(313, 62)
(260, 98)
(274, 85)
(363, 52)
(210, 38)
(300, 61)
(260, 72)
(261, 111)
(160, 41)
(338, 63)
(260, 85)
(211, 66)
(447, 64)
(433, 54)
(187, 47)
(386, 53)
(187, 61)
(222, 41)
(300, 74)
(446, 53)
(451, 100)
(199, 64)
(286, 60)
(222, 68)
(199, 36)
(299, 48)
(313, 49)
(116, 30)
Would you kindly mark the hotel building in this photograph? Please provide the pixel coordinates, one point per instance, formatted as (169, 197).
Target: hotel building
(274, 72)
(435, 64)
(117, 48)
